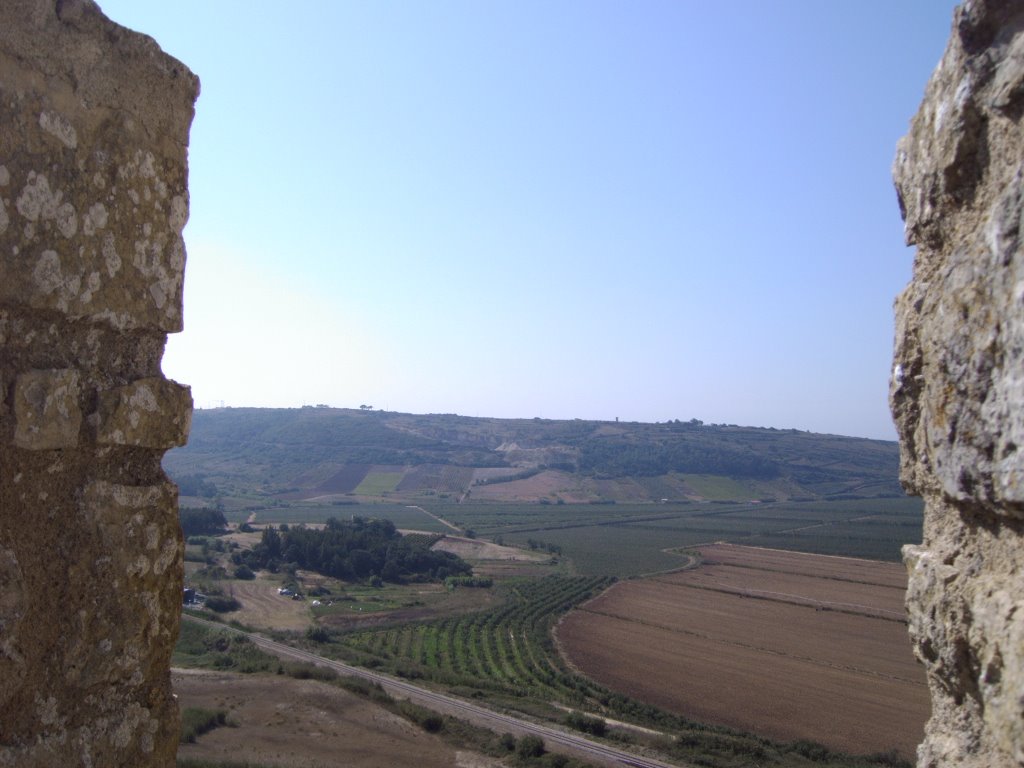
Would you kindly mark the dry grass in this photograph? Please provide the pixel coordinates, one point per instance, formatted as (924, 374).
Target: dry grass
(263, 608)
(302, 723)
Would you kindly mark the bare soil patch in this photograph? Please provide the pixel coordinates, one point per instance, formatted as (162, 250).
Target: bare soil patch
(542, 485)
(826, 566)
(759, 644)
(303, 723)
(477, 549)
(822, 593)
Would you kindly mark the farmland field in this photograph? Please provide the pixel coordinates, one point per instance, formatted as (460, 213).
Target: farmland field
(401, 515)
(787, 645)
(633, 539)
(345, 479)
(379, 480)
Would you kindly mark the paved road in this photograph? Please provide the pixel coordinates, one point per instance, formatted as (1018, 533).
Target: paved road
(589, 750)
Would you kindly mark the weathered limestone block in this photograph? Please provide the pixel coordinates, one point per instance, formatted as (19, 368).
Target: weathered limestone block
(151, 413)
(46, 412)
(957, 390)
(93, 199)
(98, 233)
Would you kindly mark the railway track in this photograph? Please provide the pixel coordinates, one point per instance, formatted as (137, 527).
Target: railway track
(579, 745)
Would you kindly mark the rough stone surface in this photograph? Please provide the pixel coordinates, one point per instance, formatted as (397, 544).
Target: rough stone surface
(93, 199)
(151, 413)
(957, 389)
(46, 411)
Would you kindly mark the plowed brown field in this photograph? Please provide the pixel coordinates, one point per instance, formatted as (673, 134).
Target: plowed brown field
(783, 644)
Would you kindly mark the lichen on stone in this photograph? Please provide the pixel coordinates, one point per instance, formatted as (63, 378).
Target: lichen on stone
(93, 151)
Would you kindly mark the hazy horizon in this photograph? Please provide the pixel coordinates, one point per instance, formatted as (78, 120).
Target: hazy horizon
(579, 210)
(613, 420)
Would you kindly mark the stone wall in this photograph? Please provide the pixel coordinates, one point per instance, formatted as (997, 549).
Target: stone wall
(93, 199)
(958, 387)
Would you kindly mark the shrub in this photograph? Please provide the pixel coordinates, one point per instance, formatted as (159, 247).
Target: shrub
(530, 746)
(244, 572)
(302, 670)
(811, 750)
(318, 635)
(427, 719)
(432, 723)
(196, 721)
(222, 604)
(592, 725)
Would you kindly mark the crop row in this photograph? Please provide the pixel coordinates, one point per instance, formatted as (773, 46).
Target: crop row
(507, 649)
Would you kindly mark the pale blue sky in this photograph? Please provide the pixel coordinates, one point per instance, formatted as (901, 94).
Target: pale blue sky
(643, 210)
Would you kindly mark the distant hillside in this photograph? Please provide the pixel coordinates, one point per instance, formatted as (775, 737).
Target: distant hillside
(342, 454)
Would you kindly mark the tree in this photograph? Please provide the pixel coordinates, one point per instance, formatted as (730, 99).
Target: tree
(244, 572)
(201, 522)
(271, 542)
(530, 746)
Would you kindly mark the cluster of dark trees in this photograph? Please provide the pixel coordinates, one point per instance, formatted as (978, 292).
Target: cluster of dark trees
(360, 549)
(201, 522)
(195, 485)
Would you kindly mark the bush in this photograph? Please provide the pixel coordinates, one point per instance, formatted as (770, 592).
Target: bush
(432, 723)
(302, 670)
(222, 604)
(318, 635)
(811, 750)
(244, 572)
(427, 719)
(195, 722)
(469, 581)
(530, 746)
(890, 759)
(592, 725)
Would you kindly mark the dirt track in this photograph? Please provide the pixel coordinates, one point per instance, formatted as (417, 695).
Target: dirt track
(477, 549)
(780, 667)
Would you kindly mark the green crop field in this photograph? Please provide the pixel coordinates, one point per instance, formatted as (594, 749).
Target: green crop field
(717, 487)
(315, 513)
(378, 483)
(614, 550)
(627, 540)
(507, 649)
